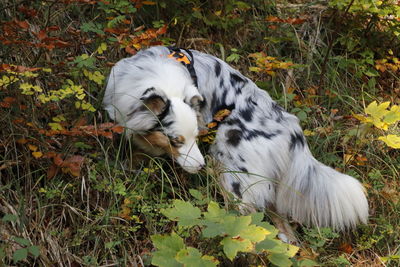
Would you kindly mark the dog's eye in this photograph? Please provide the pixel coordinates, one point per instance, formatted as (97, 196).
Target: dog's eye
(177, 141)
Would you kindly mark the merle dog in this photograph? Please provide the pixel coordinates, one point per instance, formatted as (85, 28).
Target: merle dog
(266, 160)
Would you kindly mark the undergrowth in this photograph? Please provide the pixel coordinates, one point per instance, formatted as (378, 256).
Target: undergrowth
(74, 192)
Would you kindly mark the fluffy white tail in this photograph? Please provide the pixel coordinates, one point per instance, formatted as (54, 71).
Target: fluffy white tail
(314, 194)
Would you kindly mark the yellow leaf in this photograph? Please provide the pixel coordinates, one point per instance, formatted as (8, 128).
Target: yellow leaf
(32, 147)
(391, 140)
(56, 126)
(291, 250)
(58, 118)
(377, 111)
(255, 69)
(393, 115)
(348, 158)
(308, 133)
(380, 124)
(102, 48)
(37, 154)
(362, 118)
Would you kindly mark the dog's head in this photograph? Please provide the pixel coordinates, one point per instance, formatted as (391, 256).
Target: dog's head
(176, 129)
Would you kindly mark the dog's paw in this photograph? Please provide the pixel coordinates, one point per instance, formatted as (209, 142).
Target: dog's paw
(292, 240)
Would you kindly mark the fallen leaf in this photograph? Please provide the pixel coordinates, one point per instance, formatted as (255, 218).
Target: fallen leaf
(222, 114)
(346, 248)
(37, 154)
(32, 147)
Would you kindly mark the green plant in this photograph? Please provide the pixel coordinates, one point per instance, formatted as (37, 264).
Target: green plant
(382, 118)
(26, 248)
(234, 234)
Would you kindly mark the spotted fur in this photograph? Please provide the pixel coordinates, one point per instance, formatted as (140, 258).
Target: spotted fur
(261, 146)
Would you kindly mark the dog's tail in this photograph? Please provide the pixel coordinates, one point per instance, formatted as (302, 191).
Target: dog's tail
(315, 194)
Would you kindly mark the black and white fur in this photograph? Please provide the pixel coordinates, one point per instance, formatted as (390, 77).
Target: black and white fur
(146, 99)
(262, 147)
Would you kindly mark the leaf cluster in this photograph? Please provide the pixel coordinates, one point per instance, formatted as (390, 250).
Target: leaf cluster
(234, 233)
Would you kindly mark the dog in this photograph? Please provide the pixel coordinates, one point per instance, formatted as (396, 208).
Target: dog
(151, 105)
(266, 160)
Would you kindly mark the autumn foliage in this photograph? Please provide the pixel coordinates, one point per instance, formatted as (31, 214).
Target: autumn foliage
(73, 192)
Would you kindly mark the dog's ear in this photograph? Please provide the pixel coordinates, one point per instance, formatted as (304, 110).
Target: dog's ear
(193, 98)
(197, 102)
(155, 101)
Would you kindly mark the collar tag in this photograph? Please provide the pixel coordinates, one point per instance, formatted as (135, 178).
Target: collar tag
(180, 57)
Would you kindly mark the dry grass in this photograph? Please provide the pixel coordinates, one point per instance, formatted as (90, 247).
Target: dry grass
(81, 220)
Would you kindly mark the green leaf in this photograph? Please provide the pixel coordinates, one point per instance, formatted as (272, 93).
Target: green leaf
(2, 254)
(256, 218)
(393, 115)
(233, 57)
(167, 248)
(235, 225)
(306, 262)
(165, 259)
(34, 250)
(92, 27)
(21, 241)
(254, 233)
(193, 258)
(272, 246)
(214, 212)
(234, 245)
(112, 244)
(280, 260)
(196, 194)
(302, 115)
(171, 242)
(82, 145)
(56, 126)
(273, 231)
(213, 229)
(371, 73)
(9, 218)
(20, 254)
(183, 212)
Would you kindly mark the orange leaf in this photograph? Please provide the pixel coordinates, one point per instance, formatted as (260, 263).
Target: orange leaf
(130, 50)
(37, 154)
(150, 3)
(22, 24)
(73, 165)
(118, 129)
(50, 154)
(203, 132)
(22, 141)
(212, 125)
(222, 114)
(9, 99)
(346, 248)
(41, 35)
(32, 147)
(52, 171)
(58, 160)
(107, 134)
(80, 122)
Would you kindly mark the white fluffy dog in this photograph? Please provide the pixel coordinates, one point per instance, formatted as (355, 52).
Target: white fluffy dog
(262, 147)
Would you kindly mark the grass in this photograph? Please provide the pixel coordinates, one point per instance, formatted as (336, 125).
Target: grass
(106, 214)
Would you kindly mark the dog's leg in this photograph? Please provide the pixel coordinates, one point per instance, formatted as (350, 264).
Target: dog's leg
(286, 233)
